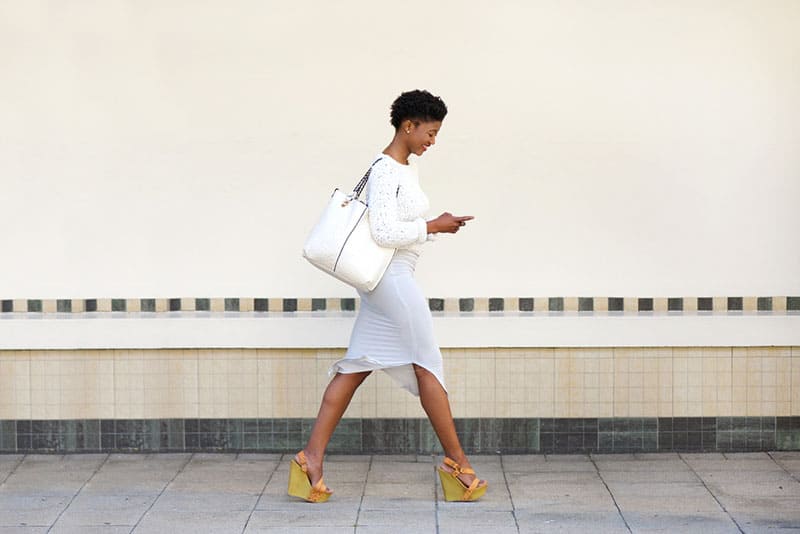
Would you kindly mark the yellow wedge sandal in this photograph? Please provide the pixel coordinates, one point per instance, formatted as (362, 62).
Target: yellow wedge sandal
(300, 483)
(452, 486)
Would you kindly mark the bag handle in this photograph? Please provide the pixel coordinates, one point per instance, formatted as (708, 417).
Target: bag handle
(363, 182)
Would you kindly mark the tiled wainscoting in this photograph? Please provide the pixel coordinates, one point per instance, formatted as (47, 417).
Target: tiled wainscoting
(510, 399)
(407, 435)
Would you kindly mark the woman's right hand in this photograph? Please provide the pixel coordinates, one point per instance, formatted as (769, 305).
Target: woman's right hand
(447, 222)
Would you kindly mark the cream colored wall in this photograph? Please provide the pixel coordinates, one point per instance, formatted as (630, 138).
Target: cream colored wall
(490, 382)
(184, 149)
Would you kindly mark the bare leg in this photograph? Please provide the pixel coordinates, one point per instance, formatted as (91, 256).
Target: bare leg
(335, 401)
(436, 404)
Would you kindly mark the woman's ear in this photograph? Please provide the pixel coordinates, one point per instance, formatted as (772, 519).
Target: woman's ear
(408, 125)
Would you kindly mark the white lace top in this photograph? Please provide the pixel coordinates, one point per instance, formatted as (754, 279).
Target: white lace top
(397, 205)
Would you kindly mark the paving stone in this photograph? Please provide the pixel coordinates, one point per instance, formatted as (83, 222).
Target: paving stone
(597, 522)
(707, 523)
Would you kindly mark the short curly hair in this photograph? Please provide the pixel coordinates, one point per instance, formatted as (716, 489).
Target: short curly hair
(417, 104)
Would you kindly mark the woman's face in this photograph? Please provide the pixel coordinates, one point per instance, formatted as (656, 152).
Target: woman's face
(421, 135)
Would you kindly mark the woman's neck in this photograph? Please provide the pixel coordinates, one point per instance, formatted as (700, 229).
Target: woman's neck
(398, 150)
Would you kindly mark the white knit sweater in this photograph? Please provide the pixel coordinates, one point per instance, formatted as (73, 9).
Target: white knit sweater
(397, 205)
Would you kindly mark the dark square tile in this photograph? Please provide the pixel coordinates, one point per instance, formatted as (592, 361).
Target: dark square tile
(708, 424)
(665, 441)
(319, 304)
(107, 442)
(34, 305)
(574, 425)
(7, 306)
(646, 304)
(585, 304)
(768, 424)
(232, 304)
(24, 443)
(90, 305)
(147, 305)
(694, 441)
(547, 424)
(680, 440)
(674, 304)
(650, 441)
(555, 303)
(605, 424)
(738, 424)
(64, 306)
(202, 304)
(262, 305)
(526, 304)
(735, 303)
(119, 305)
(23, 426)
(341, 442)
(705, 304)
(787, 440)
(175, 304)
(616, 304)
(348, 304)
(590, 424)
(752, 423)
(435, 304)
(793, 303)
(466, 305)
(496, 304)
(764, 303)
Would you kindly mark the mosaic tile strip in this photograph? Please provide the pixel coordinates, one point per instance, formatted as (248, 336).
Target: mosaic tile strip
(406, 436)
(553, 305)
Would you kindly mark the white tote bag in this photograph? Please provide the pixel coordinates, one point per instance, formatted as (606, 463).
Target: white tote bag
(341, 243)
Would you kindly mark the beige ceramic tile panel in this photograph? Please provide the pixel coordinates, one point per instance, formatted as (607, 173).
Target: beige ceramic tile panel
(795, 381)
(571, 304)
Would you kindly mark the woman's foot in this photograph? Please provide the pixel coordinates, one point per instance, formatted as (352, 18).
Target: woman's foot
(313, 468)
(466, 478)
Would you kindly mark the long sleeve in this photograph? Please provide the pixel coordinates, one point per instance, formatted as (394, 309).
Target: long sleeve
(386, 226)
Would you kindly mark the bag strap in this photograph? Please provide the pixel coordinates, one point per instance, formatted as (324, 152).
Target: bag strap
(361, 184)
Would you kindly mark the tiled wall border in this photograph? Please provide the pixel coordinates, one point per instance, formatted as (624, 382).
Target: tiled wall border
(774, 304)
(403, 436)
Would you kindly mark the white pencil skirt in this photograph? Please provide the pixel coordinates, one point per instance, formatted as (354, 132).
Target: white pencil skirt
(394, 328)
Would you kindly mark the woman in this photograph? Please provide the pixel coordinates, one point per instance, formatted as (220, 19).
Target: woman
(394, 329)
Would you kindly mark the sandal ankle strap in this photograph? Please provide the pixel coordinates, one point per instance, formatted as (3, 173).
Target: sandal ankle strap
(457, 469)
(302, 457)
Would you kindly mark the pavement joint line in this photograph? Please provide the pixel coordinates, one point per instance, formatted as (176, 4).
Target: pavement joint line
(13, 470)
(434, 462)
(180, 470)
(263, 489)
(510, 497)
(791, 475)
(703, 482)
(613, 499)
(75, 496)
(363, 492)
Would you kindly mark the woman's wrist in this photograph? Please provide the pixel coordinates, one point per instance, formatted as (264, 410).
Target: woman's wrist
(431, 225)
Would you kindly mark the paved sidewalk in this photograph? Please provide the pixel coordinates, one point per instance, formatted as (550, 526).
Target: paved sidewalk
(173, 493)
